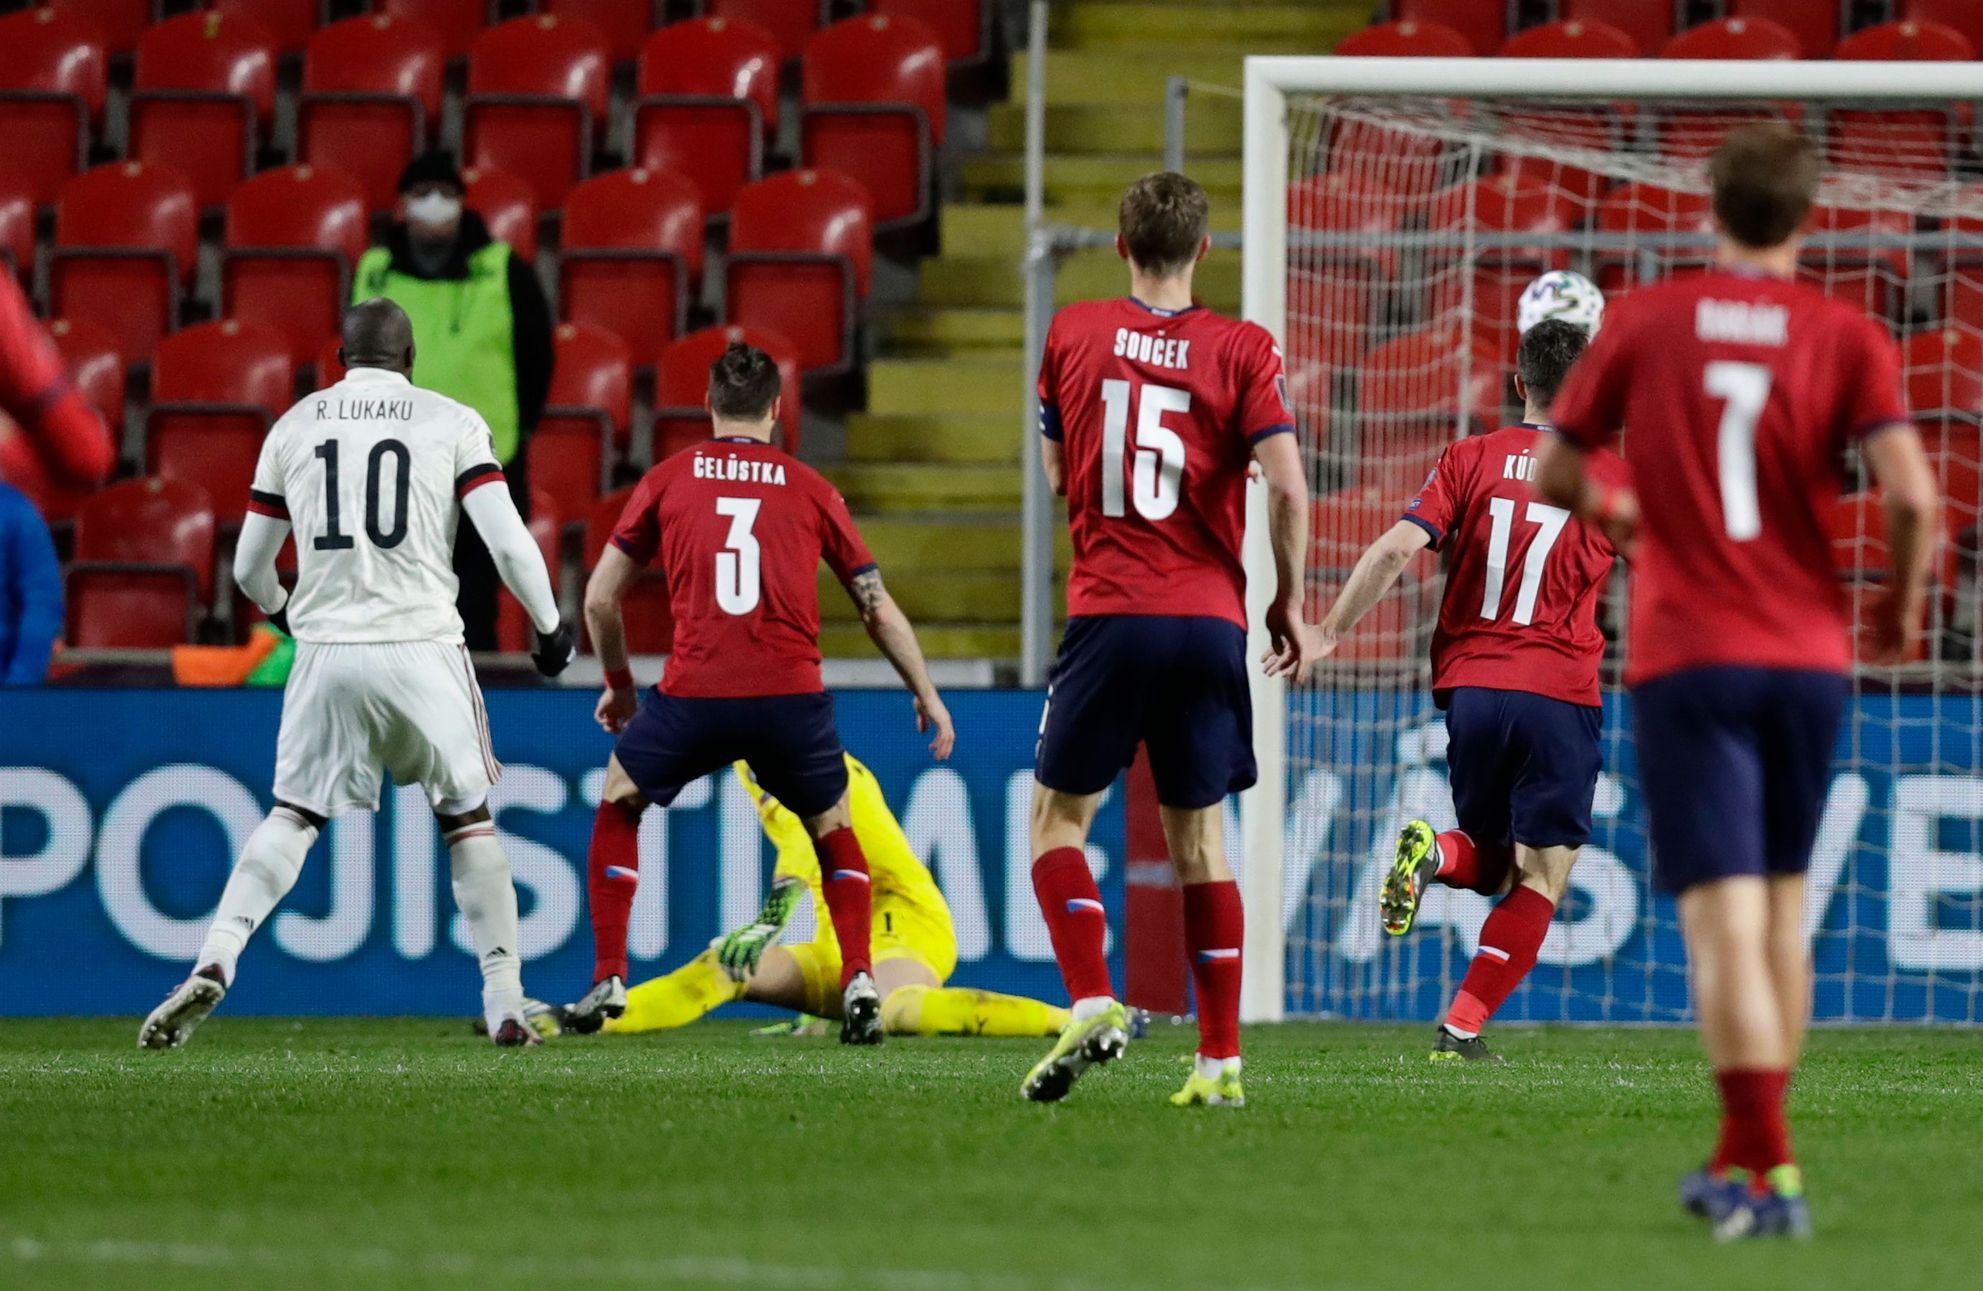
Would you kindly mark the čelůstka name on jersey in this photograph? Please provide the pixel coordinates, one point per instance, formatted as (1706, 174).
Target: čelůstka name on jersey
(749, 470)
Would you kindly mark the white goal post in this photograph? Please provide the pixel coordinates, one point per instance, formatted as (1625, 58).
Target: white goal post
(1292, 104)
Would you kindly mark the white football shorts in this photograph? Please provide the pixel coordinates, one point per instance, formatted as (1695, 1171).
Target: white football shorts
(353, 711)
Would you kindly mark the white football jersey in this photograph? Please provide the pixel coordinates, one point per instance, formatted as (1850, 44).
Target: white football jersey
(370, 474)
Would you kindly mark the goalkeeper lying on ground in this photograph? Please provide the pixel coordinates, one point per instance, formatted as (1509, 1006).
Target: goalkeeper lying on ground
(915, 948)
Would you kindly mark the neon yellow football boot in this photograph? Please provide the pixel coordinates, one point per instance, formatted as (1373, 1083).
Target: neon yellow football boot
(1083, 1043)
(1411, 874)
(1214, 1082)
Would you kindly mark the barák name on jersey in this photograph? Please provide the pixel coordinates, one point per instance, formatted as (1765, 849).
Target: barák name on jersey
(749, 470)
(1141, 347)
(364, 410)
(1741, 322)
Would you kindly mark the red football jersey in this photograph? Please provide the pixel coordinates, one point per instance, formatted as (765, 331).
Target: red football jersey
(741, 527)
(1158, 411)
(1741, 392)
(1522, 577)
(60, 436)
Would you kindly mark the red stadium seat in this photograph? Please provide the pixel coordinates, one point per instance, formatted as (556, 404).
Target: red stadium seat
(1858, 528)
(1955, 453)
(1514, 202)
(1414, 382)
(801, 248)
(293, 235)
(1413, 39)
(537, 101)
(1965, 16)
(1813, 22)
(506, 204)
(330, 370)
(632, 254)
(963, 26)
(1873, 280)
(1649, 23)
(874, 94)
(790, 22)
(1648, 210)
(590, 407)
(216, 390)
(143, 564)
(204, 95)
(623, 23)
(1748, 39)
(708, 102)
(649, 622)
(120, 23)
(371, 98)
(1482, 23)
(514, 631)
(1923, 141)
(458, 22)
(1943, 369)
(17, 226)
(126, 246)
(1330, 294)
(53, 79)
(681, 385)
(1583, 38)
(89, 351)
(291, 22)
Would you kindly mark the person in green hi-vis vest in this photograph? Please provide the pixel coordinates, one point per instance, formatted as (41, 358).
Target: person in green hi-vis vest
(481, 333)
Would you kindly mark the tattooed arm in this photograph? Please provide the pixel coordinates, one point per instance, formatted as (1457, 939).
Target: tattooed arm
(896, 639)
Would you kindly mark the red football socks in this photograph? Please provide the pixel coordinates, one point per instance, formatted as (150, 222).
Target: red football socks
(1754, 1133)
(843, 870)
(1459, 860)
(1076, 921)
(1463, 863)
(612, 875)
(1214, 932)
(1509, 942)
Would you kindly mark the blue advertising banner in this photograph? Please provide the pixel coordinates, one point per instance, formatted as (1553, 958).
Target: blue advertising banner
(121, 813)
(1895, 895)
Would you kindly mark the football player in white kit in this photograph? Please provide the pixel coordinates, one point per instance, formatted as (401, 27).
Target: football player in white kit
(372, 474)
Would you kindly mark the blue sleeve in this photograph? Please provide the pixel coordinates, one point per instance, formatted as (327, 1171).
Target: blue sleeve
(37, 579)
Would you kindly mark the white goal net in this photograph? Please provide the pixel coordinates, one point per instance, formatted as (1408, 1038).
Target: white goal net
(1393, 236)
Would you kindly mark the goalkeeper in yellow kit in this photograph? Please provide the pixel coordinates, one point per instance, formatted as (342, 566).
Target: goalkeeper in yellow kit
(914, 946)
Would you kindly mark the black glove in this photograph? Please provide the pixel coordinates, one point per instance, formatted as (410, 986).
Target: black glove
(280, 620)
(555, 650)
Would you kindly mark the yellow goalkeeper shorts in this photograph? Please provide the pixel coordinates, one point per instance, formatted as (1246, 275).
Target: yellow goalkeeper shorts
(901, 930)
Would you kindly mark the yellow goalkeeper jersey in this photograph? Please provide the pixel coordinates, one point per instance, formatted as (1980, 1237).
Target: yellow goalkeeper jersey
(893, 867)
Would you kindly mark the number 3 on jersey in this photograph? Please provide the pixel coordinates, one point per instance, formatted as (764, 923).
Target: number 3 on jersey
(739, 576)
(1159, 472)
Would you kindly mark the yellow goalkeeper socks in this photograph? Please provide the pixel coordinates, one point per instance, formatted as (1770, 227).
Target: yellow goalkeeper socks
(691, 991)
(958, 1010)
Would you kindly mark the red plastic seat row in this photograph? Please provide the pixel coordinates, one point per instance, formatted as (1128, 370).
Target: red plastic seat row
(143, 566)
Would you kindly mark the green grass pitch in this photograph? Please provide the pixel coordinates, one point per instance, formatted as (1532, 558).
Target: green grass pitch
(362, 1153)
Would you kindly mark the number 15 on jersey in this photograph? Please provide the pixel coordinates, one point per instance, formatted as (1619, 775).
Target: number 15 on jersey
(1158, 475)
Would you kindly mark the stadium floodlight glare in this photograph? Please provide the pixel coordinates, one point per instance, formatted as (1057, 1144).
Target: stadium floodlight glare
(1394, 210)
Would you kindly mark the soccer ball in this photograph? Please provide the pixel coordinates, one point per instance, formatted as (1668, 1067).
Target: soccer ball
(1561, 294)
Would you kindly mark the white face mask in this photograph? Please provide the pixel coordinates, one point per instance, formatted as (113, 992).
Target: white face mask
(434, 209)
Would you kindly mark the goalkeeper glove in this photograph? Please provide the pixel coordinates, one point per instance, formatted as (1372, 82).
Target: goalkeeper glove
(555, 650)
(739, 952)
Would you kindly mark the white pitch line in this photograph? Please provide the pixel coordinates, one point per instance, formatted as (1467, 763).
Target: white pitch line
(692, 1270)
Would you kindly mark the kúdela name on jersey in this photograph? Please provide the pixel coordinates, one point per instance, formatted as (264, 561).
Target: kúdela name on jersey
(750, 470)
